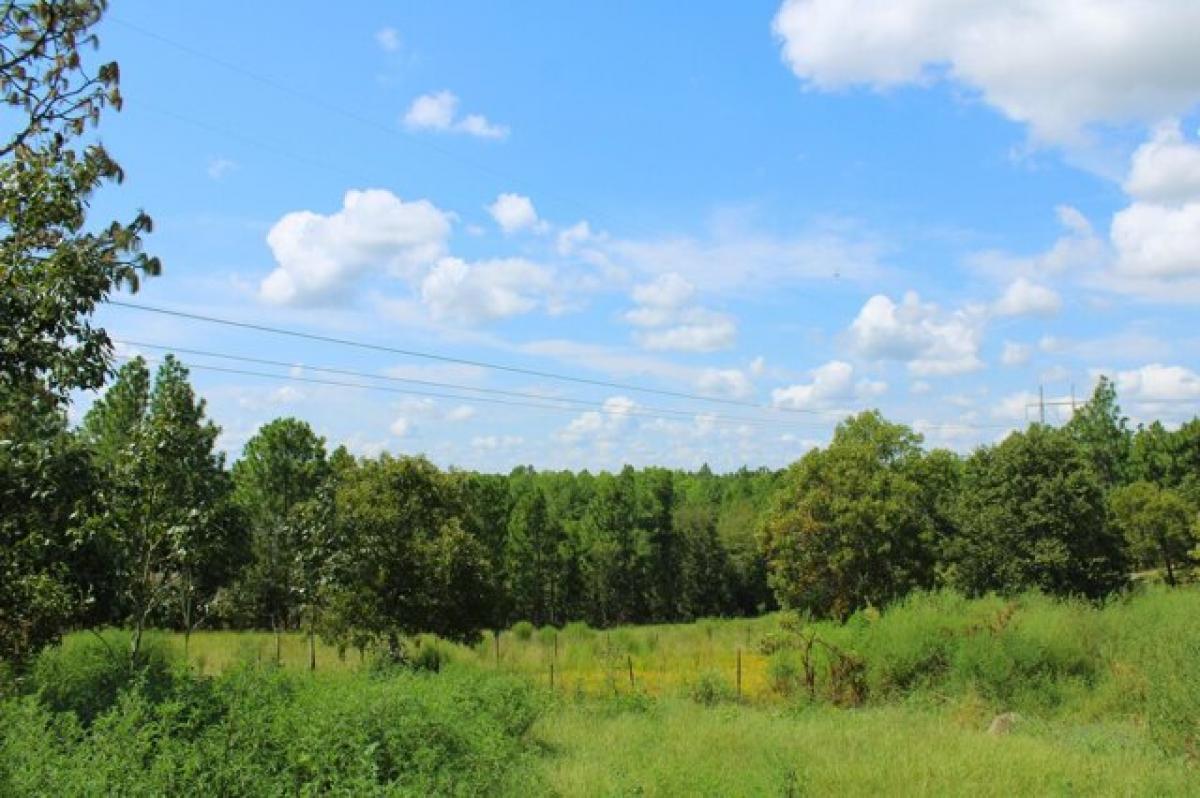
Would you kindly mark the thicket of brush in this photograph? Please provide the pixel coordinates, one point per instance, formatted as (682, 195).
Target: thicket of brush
(93, 724)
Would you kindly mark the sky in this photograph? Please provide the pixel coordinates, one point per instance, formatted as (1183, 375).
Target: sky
(697, 234)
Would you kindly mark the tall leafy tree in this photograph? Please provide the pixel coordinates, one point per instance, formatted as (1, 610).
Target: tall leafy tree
(282, 470)
(56, 266)
(1031, 514)
(532, 552)
(166, 498)
(849, 528)
(411, 567)
(1158, 525)
(704, 562)
(1104, 434)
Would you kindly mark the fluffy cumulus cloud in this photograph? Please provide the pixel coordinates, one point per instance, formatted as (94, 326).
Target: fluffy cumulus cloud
(604, 424)
(319, 257)
(932, 342)
(1058, 66)
(668, 319)
(1023, 297)
(1156, 239)
(832, 385)
(438, 112)
(1158, 384)
(514, 212)
(476, 292)
(1166, 169)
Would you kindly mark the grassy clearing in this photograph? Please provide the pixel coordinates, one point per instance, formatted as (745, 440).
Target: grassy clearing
(676, 748)
(1108, 701)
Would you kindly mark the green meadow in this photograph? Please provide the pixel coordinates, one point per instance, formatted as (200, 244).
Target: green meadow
(938, 695)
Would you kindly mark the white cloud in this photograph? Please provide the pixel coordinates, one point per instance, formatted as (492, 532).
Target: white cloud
(1023, 297)
(701, 331)
(388, 39)
(758, 366)
(1166, 169)
(460, 413)
(1158, 243)
(919, 388)
(319, 256)
(1156, 239)
(670, 322)
(1058, 66)
(739, 260)
(1078, 249)
(573, 236)
(401, 427)
(725, 382)
(438, 111)
(514, 212)
(600, 424)
(932, 342)
(1158, 384)
(472, 293)
(833, 384)
(1015, 354)
(218, 168)
(493, 443)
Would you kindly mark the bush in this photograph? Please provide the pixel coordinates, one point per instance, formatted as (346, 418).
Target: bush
(522, 630)
(785, 673)
(430, 655)
(261, 731)
(578, 630)
(86, 673)
(710, 689)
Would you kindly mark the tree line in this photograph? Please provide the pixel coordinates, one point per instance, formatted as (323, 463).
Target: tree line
(151, 528)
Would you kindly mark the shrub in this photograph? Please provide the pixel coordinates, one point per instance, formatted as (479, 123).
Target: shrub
(430, 655)
(578, 630)
(710, 689)
(785, 673)
(86, 673)
(260, 731)
(522, 630)
(546, 635)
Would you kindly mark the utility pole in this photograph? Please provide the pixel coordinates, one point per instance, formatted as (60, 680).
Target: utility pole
(1041, 405)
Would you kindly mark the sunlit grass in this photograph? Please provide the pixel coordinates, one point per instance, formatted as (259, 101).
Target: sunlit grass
(674, 748)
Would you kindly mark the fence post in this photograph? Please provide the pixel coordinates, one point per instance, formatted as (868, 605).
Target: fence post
(630, 659)
(552, 676)
(739, 674)
(496, 635)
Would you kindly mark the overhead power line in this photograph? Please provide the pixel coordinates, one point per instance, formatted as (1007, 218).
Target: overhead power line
(549, 375)
(541, 399)
(610, 411)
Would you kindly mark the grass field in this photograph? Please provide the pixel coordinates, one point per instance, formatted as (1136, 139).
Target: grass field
(1107, 699)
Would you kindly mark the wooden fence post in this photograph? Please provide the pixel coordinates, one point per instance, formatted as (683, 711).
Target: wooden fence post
(496, 635)
(739, 674)
(630, 658)
(552, 676)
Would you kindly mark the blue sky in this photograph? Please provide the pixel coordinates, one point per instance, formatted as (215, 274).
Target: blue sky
(927, 206)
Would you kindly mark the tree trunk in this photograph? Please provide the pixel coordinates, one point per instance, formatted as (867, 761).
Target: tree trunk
(278, 643)
(1170, 567)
